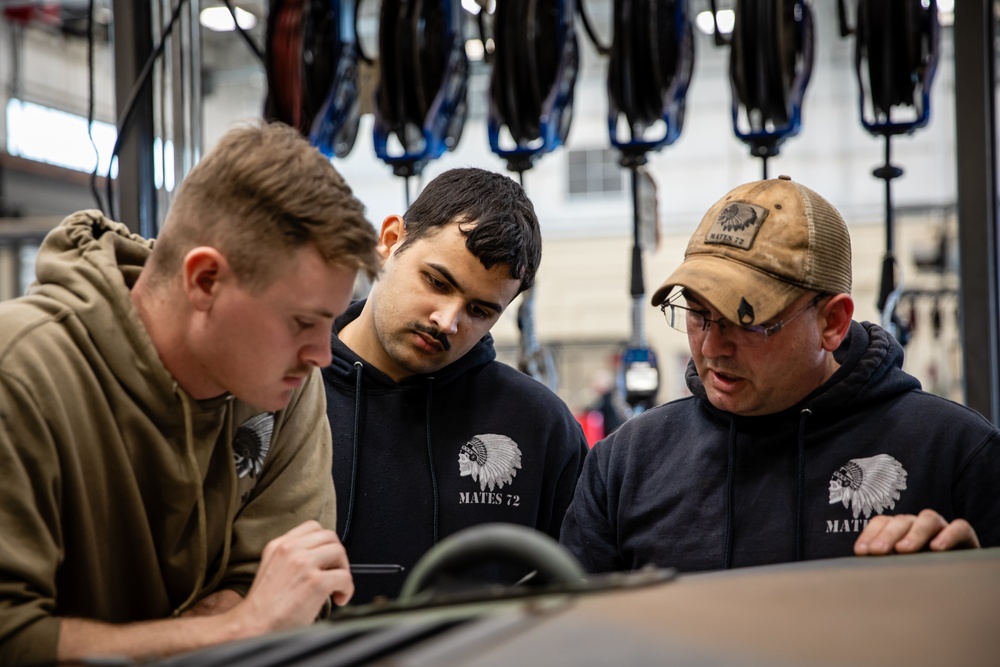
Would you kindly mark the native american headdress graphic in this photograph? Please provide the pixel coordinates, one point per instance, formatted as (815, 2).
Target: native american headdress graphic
(251, 443)
(736, 217)
(491, 459)
(868, 485)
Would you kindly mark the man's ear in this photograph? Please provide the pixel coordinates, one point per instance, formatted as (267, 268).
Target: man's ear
(202, 271)
(837, 314)
(392, 235)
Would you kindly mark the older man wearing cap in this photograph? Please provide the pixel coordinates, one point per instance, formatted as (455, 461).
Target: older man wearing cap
(803, 437)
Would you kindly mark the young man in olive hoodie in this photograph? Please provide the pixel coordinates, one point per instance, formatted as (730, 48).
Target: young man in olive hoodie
(159, 493)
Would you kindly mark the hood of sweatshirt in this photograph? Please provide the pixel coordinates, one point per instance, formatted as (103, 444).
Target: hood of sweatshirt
(87, 266)
(85, 269)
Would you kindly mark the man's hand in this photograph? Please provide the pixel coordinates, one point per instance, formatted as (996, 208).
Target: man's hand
(906, 533)
(298, 572)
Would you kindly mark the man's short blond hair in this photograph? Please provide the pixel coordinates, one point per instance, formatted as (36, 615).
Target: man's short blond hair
(260, 194)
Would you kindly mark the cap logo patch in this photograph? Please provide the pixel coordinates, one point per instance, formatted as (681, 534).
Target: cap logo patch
(737, 225)
(745, 313)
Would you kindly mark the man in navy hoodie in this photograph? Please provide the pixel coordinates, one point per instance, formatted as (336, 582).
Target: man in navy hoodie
(430, 433)
(803, 438)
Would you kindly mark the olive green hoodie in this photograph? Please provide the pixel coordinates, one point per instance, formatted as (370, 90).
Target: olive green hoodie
(122, 498)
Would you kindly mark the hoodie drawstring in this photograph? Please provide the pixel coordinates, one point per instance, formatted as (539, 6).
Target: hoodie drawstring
(354, 457)
(200, 503)
(233, 499)
(192, 463)
(730, 495)
(799, 513)
(430, 460)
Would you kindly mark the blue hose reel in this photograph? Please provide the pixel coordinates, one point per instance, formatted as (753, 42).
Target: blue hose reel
(770, 64)
(534, 75)
(896, 55)
(335, 127)
(424, 74)
(312, 71)
(652, 58)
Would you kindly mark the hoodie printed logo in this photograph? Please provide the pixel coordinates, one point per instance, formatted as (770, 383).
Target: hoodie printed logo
(492, 460)
(251, 444)
(868, 485)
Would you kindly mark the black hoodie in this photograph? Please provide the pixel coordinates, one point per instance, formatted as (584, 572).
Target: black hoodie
(400, 450)
(689, 486)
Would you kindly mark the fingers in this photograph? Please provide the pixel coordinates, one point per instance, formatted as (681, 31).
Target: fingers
(906, 533)
(298, 572)
(344, 591)
(310, 546)
(322, 546)
(958, 534)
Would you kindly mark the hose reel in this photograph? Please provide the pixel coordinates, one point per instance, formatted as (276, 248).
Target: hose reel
(771, 58)
(652, 58)
(312, 71)
(649, 71)
(899, 43)
(896, 54)
(335, 127)
(423, 69)
(535, 64)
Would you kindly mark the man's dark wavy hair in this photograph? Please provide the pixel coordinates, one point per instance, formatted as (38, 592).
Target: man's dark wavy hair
(492, 211)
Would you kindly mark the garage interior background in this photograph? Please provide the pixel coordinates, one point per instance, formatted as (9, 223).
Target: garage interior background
(207, 80)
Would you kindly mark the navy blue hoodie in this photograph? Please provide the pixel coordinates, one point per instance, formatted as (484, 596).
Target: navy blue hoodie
(417, 460)
(689, 486)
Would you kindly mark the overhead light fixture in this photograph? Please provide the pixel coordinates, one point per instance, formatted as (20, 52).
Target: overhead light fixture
(725, 17)
(946, 12)
(474, 50)
(476, 6)
(220, 20)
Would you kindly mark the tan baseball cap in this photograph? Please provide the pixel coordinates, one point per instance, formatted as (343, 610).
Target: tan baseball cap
(760, 248)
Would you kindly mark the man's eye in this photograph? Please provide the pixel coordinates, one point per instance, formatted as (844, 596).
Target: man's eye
(435, 283)
(699, 315)
(302, 324)
(479, 313)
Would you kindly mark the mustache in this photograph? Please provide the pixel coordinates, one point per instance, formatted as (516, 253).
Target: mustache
(435, 334)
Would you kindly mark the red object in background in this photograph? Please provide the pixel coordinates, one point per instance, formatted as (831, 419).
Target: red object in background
(43, 12)
(592, 422)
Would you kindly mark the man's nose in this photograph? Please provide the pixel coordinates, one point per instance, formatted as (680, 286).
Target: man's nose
(317, 350)
(714, 342)
(446, 317)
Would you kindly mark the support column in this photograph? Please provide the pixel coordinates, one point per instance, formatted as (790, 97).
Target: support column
(975, 108)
